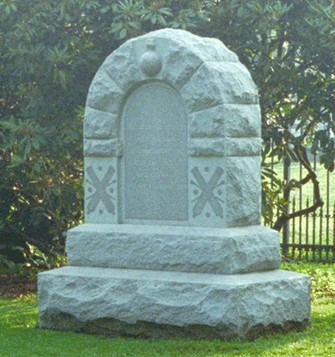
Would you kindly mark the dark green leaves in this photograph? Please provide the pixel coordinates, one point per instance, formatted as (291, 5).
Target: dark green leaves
(51, 49)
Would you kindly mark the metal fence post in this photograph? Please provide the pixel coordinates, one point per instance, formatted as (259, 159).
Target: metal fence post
(286, 227)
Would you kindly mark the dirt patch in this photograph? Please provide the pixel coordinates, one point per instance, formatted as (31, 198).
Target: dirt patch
(16, 286)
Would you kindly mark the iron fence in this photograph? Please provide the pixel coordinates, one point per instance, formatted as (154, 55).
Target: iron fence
(311, 236)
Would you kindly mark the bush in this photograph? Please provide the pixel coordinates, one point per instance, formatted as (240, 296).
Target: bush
(51, 49)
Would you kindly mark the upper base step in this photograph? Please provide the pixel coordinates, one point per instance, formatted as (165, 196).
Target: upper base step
(170, 248)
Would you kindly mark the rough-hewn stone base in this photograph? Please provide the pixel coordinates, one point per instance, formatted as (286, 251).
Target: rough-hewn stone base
(169, 248)
(170, 304)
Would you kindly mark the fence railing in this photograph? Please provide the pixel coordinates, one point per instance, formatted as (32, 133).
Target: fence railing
(311, 236)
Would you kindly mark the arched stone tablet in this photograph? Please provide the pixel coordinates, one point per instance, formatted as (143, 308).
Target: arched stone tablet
(155, 155)
(172, 135)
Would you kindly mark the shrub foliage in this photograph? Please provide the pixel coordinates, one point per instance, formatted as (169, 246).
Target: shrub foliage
(50, 50)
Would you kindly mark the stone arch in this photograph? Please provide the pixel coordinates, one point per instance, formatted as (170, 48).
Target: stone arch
(223, 126)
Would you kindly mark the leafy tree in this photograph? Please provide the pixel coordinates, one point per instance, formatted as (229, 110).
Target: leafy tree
(44, 71)
(50, 50)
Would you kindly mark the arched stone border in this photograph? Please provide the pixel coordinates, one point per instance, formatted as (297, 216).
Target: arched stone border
(223, 120)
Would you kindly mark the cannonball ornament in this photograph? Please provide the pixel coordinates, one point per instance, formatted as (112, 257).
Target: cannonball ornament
(150, 63)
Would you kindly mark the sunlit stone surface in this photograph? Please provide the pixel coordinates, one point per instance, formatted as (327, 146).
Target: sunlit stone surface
(172, 245)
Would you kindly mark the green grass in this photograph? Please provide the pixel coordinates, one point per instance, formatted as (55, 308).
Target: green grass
(322, 176)
(307, 190)
(19, 335)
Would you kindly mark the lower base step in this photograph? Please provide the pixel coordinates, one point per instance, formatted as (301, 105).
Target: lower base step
(161, 304)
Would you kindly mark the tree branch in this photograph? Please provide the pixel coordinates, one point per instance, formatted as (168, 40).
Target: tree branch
(300, 151)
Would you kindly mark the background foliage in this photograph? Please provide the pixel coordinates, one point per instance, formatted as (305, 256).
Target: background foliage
(50, 50)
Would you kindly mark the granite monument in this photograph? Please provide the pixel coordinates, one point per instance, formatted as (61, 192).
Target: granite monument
(173, 244)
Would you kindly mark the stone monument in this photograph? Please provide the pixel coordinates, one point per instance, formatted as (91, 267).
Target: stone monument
(172, 245)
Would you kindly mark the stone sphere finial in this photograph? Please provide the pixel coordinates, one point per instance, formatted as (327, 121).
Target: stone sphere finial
(150, 63)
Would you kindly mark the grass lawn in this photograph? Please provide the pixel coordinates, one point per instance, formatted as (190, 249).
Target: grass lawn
(323, 176)
(307, 190)
(19, 335)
